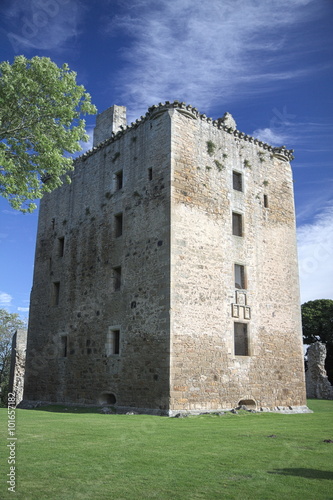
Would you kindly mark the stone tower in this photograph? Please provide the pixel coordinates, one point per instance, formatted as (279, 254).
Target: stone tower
(166, 273)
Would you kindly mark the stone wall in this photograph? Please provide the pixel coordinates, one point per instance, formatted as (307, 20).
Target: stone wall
(17, 365)
(317, 383)
(206, 372)
(79, 250)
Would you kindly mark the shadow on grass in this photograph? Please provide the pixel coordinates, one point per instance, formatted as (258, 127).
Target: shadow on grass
(71, 409)
(307, 473)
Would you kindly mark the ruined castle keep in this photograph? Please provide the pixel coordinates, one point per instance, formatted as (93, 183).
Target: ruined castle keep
(166, 273)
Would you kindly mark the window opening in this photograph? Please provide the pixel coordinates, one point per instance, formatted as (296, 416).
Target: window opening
(113, 342)
(150, 174)
(249, 403)
(116, 278)
(118, 225)
(56, 293)
(239, 276)
(119, 180)
(241, 341)
(64, 346)
(107, 398)
(265, 201)
(61, 246)
(237, 181)
(237, 225)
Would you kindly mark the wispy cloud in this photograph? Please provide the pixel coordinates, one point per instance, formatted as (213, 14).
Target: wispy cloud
(270, 136)
(203, 52)
(5, 299)
(89, 144)
(23, 309)
(287, 128)
(42, 25)
(317, 198)
(10, 212)
(315, 253)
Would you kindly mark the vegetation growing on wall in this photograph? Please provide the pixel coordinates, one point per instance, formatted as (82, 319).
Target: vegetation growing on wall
(211, 147)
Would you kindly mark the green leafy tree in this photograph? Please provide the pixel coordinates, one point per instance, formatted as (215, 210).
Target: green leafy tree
(9, 323)
(317, 321)
(40, 127)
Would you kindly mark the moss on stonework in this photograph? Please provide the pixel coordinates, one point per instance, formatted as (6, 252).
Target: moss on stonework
(210, 148)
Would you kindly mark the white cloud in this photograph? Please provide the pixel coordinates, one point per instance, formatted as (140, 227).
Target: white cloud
(270, 136)
(315, 255)
(86, 146)
(286, 128)
(23, 309)
(5, 299)
(41, 24)
(203, 53)
(315, 195)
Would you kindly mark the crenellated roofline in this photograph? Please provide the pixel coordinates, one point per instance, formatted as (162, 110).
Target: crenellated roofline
(225, 123)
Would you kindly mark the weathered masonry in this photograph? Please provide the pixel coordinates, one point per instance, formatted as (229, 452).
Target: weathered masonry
(17, 364)
(166, 273)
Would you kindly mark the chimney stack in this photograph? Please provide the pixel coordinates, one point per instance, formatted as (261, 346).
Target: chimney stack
(109, 121)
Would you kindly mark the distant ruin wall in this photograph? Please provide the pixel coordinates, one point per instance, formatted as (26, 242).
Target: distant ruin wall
(317, 383)
(17, 364)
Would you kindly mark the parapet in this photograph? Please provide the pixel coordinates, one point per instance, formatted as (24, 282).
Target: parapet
(111, 125)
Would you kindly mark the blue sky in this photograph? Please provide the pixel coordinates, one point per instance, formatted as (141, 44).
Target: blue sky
(268, 62)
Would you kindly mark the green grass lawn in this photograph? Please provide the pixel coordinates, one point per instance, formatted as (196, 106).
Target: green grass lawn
(85, 455)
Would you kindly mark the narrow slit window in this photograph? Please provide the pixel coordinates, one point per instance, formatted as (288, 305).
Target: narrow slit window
(150, 174)
(265, 201)
(64, 346)
(237, 181)
(116, 278)
(239, 276)
(56, 293)
(119, 180)
(113, 342)
(237, 224)
(61, 246)
(118, 225)
(241, 340)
